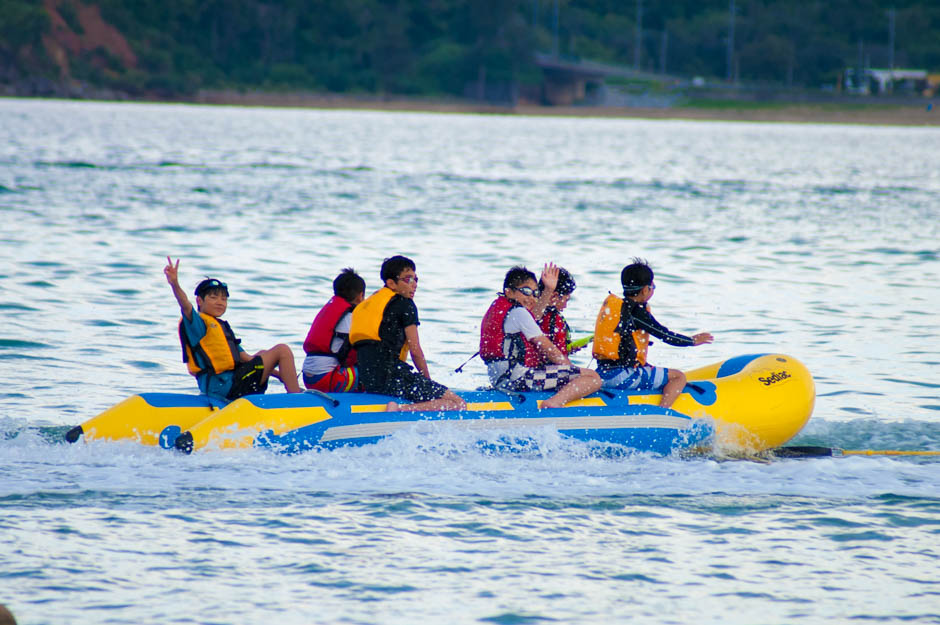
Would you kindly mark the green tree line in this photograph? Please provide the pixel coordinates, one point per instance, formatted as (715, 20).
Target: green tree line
(431, 47)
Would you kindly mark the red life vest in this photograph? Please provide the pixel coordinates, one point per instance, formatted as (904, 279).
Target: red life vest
(323, 330)
(555, 327)
(495, 344)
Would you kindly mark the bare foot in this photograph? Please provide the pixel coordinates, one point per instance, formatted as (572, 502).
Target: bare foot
(548, 403)
(391, 406)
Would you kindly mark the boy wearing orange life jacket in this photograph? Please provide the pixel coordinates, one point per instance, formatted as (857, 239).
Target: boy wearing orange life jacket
(330, 365)
(517, 353)
(621, 336)
(223, 370)
(384, 331)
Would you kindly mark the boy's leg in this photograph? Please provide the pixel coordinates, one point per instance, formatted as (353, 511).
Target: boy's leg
(585, 384)
(673, 388)
(426, 394)
(449, 401)
(281, 358)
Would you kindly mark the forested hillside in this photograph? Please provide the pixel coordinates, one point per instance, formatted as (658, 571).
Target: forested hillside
(433, 47)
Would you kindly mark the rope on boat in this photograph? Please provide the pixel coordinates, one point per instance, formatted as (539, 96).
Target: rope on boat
(808, 451)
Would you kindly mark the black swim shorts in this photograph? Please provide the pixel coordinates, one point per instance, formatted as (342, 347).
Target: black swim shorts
(246, 379)
(405, 382)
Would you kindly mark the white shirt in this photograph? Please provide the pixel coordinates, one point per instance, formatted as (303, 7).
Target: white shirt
(318, 364)
(517, 320)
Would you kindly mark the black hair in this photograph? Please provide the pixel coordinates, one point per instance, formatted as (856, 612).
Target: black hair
(517, 276)
(348, 284)
(565, 286)
(635, 276)
(210, 286)
(394, 266)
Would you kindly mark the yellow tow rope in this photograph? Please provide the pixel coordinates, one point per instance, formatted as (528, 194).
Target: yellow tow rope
(884, 452)
(810, 451)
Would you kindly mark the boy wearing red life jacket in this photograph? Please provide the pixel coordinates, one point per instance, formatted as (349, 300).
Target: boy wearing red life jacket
(552, 322)
(330, 365)
(621, 337)
(223, 370)
(384, 331)
(516, 350)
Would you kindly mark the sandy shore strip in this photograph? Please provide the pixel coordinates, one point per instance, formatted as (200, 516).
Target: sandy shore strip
(925, 114)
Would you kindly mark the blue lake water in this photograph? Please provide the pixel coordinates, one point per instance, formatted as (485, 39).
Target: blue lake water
(819, 241)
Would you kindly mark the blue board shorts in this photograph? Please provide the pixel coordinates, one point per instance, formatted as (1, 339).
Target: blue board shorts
(647, 378)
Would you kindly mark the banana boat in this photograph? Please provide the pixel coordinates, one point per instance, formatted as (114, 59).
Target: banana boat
(744, 404)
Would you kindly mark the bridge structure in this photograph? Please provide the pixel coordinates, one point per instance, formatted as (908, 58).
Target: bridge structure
(568, 80)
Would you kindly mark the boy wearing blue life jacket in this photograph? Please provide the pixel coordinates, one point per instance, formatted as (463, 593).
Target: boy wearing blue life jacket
(384, 331)
(330, 365)
(223, 370)
(621, 338)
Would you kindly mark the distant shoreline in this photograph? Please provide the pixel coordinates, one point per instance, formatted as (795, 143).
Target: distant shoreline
(866, 113)
(861, 112)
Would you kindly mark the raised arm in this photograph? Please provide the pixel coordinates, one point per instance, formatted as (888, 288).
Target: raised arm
(549, 279)
(171, 271)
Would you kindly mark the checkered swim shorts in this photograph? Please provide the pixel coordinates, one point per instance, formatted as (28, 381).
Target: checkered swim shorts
(646, 378)
(547, 378)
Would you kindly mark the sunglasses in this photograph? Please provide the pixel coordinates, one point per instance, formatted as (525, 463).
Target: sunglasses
(409, 279)
(527, 291)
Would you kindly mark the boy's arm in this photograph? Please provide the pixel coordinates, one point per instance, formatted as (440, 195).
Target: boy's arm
(417, 355)
(645, 321)
(549, 351)
(171, 272)
(550, 280)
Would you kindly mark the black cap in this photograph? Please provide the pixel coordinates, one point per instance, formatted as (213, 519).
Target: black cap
(636, 276)
(208, 284)
(566, 284)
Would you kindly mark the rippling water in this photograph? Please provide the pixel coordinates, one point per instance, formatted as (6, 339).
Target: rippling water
(814, 240)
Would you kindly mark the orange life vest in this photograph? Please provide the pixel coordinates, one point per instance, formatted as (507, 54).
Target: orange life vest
(218, 347)
(367, 317)
(609, 331)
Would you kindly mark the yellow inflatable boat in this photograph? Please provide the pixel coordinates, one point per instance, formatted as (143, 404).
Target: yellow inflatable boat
(744, 404)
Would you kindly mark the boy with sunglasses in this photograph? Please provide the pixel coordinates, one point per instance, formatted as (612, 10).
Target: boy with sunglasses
(621, 337)
(517, 353)
(223, 370)
(384, 331)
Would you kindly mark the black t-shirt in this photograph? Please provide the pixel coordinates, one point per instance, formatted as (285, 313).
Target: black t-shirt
(400, 312)
(379, 360)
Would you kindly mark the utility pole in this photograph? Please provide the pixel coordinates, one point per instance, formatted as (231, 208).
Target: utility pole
(891, 14)
(638, 37)
(663, 46)
(555, 31)
(730, 59)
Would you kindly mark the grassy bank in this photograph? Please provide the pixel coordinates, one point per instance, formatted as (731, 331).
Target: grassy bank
(874, 113)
